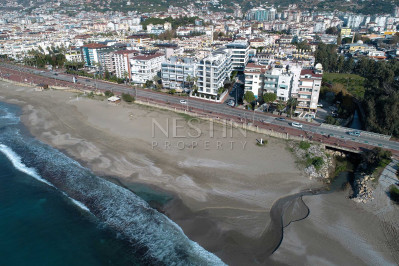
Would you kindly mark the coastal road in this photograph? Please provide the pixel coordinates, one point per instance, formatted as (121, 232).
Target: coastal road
(214, 109)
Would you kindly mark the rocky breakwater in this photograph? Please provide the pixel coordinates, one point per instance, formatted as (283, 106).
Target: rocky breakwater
(318, 162)
(362, 186)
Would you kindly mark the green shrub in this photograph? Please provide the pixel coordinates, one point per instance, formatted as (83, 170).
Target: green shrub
(317, 162)
(394, 193)
(108, 93)
(127, 97)
(377, 157)
(304, 145)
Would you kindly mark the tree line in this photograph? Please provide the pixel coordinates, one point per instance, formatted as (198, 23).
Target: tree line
(54, 57)
(381, 97)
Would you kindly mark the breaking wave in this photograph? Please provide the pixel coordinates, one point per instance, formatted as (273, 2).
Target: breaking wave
(152, 233)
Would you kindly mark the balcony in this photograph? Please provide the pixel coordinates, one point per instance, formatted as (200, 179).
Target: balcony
(304, 93)
(304, 99)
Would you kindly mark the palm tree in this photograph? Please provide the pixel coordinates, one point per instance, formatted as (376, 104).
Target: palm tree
(292, 102)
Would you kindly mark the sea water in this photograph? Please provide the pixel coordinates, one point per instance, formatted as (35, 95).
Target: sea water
(53, 211)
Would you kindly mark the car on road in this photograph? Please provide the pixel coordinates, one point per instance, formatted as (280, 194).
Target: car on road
(280, 118)
(183, 101)
(231, 103)
(296, 124)
(319, 105)
(354, 133)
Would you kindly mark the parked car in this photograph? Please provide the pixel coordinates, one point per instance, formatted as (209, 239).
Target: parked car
(280, 118)
(319, 105)
(354, 133)
(183, 101)
(231, 103)
(295, 124)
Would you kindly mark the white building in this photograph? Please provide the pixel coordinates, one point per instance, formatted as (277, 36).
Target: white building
(254, 75)
(176, 70)
(309, 89)
(145, 67)
(213, 70)
(74, 57)
(90, 53)
(282, 81)
(121, 62)
(239, 55)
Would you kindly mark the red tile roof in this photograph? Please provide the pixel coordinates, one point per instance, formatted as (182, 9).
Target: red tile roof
(94, 46)
(311, 72)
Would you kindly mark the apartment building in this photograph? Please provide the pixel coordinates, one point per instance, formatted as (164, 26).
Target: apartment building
(309, 89)
(254, 76)
(239, 55)
(213, 70)
(121, 63)
(90, 53)
(145, 67)
(176, 70)
(105, 59)
(74, 57)
(281, 80)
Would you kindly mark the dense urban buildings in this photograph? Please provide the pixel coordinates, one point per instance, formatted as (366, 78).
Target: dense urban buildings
(266, 46)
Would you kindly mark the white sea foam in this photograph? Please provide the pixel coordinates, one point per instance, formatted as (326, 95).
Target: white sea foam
(11, 117)
(17, 163)
(79, 204)
(116, 206)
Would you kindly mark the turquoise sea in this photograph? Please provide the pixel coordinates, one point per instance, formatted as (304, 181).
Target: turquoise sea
(53, 211)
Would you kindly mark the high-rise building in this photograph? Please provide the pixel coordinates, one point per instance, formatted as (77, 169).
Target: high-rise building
(239, 55)
(309, 89)
(213, 70)
(145, 67)
(261, 14)
(90, 53)
(121, 62)
(176, 71)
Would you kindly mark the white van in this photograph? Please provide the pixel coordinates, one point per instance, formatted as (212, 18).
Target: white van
(295, 124)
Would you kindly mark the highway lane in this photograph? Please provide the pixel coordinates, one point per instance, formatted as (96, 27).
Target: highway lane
(212, 108)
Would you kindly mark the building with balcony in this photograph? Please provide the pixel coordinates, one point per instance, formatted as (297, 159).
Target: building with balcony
(90, 53)
(121, 63)
(239, 55)
(213, 70)
(309, 89)
(281, 80)
(175, 72)
(254, 77)
(145, 67)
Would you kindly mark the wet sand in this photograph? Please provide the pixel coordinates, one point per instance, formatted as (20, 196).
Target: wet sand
(224, 187)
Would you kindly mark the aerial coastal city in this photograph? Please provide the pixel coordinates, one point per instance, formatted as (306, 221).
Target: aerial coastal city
(209, 132)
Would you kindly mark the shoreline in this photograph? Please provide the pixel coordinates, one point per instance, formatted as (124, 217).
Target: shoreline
(218, 197)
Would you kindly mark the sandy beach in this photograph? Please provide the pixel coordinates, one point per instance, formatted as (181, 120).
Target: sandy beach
(223, 184)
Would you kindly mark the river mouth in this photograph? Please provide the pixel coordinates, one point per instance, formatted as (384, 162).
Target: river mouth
(292, 208)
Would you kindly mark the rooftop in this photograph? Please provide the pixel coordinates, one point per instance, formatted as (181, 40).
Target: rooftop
(147, 57)
(95, 46)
